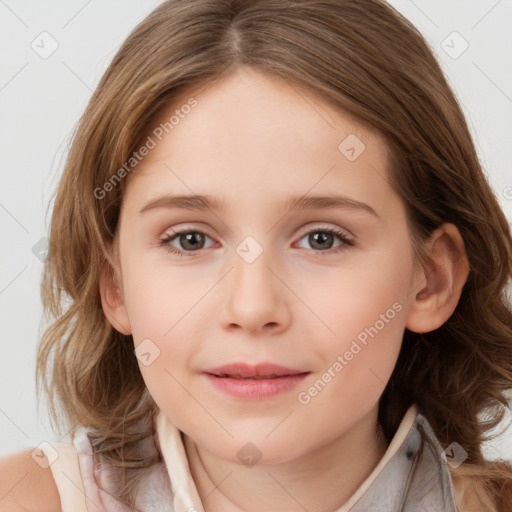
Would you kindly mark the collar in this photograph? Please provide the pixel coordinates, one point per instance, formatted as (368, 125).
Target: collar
(411, 476)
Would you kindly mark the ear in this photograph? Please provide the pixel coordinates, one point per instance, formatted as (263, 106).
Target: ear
(112, 301)
(441, 282)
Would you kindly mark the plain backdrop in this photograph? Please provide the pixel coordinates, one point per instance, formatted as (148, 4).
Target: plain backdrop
(42, 96)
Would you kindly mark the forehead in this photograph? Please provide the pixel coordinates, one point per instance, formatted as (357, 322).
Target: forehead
(258, 104)
(250, 132)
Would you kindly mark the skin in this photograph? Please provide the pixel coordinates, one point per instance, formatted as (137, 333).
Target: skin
(254, 141)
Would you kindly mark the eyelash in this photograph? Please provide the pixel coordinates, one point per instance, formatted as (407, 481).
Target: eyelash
(332, 231)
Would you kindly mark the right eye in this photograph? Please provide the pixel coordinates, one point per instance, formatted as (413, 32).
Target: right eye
(189, 240)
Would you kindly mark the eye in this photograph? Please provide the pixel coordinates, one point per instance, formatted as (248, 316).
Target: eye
(321, 240)
(189, 240)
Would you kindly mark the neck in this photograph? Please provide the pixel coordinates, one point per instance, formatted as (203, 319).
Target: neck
(323, 479)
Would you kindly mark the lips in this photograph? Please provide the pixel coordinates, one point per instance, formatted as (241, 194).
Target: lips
(256, 372)
(260, 382)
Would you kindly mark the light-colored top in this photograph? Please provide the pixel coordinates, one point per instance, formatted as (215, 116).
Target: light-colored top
(412, 475)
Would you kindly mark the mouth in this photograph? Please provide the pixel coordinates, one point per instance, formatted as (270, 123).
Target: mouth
(263, 381)
(258, 372)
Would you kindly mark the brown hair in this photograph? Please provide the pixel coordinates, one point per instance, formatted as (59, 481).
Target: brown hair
(366, 60)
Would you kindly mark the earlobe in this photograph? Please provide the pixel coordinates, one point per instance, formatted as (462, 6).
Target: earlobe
(439, 285)
(112, 301)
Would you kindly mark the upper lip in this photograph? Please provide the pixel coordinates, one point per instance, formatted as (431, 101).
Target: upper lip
(245, 370)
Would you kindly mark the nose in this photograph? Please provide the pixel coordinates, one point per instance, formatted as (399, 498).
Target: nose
(255, 299)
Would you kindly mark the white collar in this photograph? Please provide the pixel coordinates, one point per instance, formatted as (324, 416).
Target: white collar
(397, 483)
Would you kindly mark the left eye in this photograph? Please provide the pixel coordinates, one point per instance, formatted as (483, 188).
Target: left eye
(321, 241)
(320, 238)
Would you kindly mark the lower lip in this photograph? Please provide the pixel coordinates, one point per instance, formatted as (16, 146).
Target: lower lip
(256, 389)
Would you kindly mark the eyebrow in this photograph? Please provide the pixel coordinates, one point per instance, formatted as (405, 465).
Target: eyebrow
(294, 203)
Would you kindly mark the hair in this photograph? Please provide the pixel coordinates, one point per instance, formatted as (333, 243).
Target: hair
(364, 59)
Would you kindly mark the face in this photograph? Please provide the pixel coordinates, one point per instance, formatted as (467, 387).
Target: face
(265, 273)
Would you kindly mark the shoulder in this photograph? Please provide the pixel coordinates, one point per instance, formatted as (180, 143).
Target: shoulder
(471, 495)
(25, 486)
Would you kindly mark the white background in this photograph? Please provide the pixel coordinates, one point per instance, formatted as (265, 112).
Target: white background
(42, 99)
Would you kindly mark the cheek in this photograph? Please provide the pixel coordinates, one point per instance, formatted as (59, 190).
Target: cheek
(368, 320)
(359, 359)
(158, 298)
(367, 300)
(164, 305)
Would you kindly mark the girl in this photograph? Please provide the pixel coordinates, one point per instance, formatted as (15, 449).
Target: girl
(284, 275)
